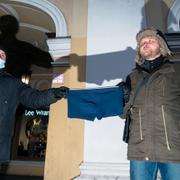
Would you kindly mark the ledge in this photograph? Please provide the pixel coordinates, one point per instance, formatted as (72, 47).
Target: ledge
(99, 171)
(60, 64)
(28, 168)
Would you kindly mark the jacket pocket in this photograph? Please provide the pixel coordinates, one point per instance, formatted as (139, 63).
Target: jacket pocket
(172, 117)
(136, 131)
(140, 125)
(165, 128)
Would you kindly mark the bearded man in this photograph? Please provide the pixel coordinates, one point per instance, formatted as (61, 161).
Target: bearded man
(154, 105)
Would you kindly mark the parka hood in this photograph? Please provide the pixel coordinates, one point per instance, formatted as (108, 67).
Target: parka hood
(165, 50)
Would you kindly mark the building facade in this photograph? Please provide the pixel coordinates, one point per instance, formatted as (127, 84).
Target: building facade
(92, 44)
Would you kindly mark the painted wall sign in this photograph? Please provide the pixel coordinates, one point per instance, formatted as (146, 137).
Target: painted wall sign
(58, 79)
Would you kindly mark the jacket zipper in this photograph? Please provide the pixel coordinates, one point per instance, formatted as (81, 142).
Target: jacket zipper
(165, 128)
(140, 125)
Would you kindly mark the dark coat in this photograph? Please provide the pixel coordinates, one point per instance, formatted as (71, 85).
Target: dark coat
(155, 126)
(12, 93)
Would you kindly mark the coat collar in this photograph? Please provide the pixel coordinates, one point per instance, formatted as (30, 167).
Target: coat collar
(167, 67)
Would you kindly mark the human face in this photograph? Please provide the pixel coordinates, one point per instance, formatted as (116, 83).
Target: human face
(2, 55)
(149, 48)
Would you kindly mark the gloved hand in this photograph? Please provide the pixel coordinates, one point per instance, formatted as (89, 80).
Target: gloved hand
(61, 92)
(126, 90)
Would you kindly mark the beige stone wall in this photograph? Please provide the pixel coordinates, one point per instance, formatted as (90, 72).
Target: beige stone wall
(65, 136)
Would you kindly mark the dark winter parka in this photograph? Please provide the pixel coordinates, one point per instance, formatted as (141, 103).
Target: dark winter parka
(13, 92)
(155, 126)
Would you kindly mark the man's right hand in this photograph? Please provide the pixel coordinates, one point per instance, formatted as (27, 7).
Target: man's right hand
(61, 92)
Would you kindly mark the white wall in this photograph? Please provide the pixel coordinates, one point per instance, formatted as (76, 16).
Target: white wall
(112, 26)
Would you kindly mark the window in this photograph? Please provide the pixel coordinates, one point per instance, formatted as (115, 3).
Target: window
(30, 132)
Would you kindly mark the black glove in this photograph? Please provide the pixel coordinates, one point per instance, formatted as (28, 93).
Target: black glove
(61, 92)
(126, 91)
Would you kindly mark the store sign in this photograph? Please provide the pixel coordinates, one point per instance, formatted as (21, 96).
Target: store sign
(36, 113)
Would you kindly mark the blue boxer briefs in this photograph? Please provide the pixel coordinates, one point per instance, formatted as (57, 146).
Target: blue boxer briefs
(95, 103)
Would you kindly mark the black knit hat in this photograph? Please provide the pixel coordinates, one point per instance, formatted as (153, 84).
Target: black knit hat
(155, 33)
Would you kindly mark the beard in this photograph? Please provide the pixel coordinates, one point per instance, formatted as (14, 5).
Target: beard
(150, 54)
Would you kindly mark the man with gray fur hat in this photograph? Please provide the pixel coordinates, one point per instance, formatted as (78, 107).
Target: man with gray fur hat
(154, 106)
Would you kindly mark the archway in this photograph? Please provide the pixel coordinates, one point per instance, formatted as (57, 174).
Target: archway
(52, 11)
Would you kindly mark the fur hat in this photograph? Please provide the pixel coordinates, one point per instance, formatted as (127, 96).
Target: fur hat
(165, 51)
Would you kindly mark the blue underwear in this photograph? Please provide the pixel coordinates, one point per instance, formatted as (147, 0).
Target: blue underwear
(95, 103)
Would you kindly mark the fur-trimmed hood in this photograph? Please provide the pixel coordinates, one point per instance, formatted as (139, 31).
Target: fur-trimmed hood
(165, 51)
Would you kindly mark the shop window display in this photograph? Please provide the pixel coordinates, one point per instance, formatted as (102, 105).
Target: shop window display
(32, 135)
